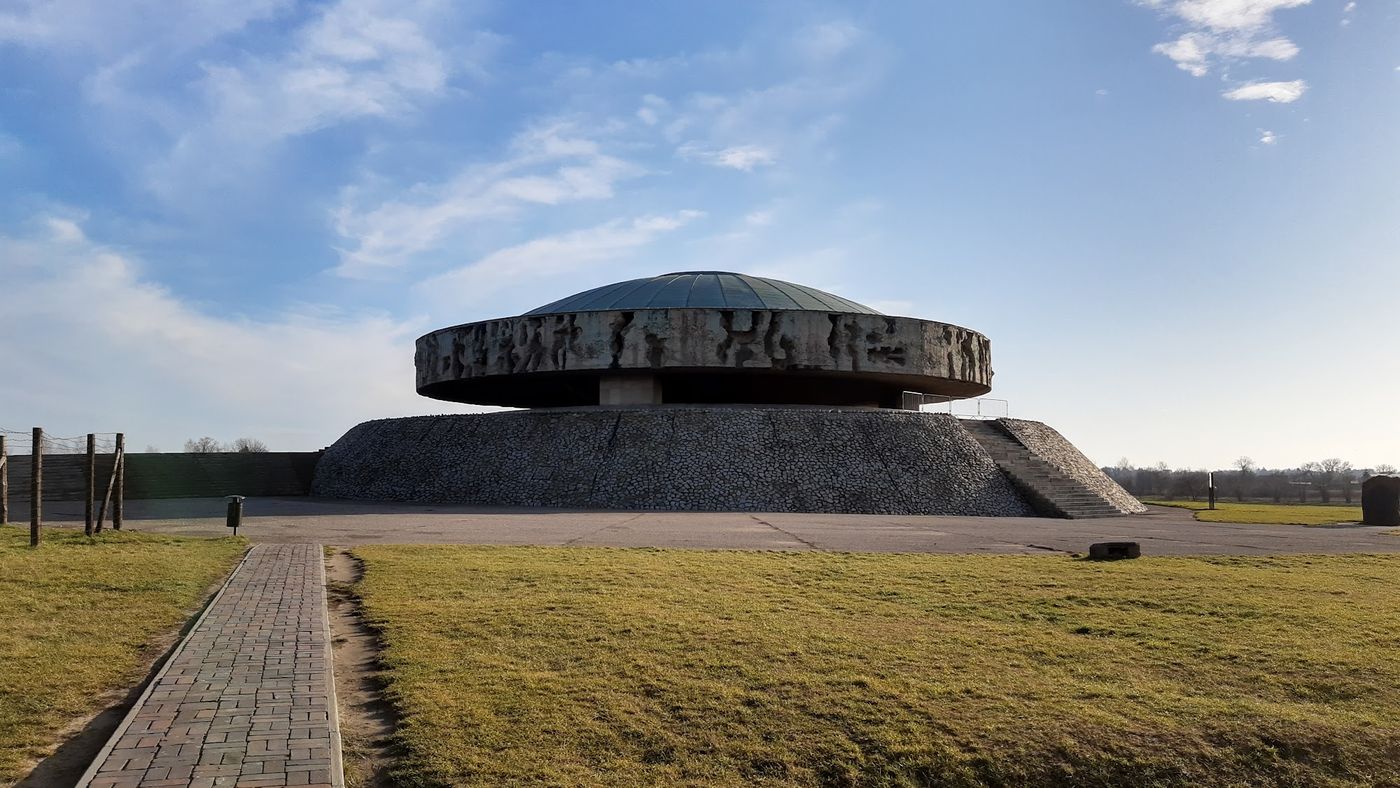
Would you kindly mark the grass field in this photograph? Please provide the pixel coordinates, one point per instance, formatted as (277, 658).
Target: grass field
(1267, 513)
(565, 666)
(78, 619)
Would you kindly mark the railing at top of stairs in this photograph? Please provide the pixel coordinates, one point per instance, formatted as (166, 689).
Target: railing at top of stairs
(962, 407)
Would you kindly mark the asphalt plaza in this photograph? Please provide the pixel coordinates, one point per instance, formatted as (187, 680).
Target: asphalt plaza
(1164, 531)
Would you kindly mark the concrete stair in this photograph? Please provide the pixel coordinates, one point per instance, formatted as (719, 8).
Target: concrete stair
(1051, 492)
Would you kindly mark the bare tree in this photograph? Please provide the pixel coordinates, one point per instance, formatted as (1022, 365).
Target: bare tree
(1328, 472)
(151, 448)
(1275, 484)
(1385, 468)
(1125, 474)
(205, 445)
(1244, 478)
(1158, 480)
(1189, 483)
(249, 446)
(1312, 473)
(1346, 477)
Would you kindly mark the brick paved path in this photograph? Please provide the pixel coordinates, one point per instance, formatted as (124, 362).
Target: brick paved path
(248, 698)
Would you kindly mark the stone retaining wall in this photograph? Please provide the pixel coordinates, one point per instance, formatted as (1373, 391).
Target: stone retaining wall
(675, 459)
(1049, 445)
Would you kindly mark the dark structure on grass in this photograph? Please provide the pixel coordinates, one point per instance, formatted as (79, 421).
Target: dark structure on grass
(1380, 500)
(709, 390)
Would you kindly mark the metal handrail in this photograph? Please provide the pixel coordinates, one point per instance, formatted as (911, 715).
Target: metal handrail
(922, 401)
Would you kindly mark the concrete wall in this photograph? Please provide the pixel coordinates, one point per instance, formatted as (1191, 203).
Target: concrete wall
(173, 475)
(1049, 445)
(674, 458)
(220, 473)
(65, 477)
(917, 354)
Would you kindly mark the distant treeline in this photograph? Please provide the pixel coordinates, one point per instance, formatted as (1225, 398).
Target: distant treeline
(1322, 481)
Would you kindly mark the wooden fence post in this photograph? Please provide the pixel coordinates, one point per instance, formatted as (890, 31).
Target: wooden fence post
(4, 483)
(90, 477)
(36, 486)
(120, 471)
(111, 485)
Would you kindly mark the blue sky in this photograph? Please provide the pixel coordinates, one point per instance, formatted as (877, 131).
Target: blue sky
(1176, 219)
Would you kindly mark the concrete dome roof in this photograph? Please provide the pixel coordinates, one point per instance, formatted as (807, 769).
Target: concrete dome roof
(704, 290)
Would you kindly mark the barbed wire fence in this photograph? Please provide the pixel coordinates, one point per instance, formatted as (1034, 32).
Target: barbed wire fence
(35, 444)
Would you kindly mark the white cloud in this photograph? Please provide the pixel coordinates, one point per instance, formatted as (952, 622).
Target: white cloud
(1273, 49)
(351, 60)
(764, 102)
(553, 255)
(549, 165)
(1273, 92)
(104, 28)
(759, 218)
(64, 231)
(828, 39)
(744, 157)
(1231, 15)
(652, 108)
(171, 370)
(1267, 137)
(739, 157)
(780, 99)
(10, 147)
(1224, 30)
(1194, 52)
(1188, 54)
(621, 106)
(747, 129)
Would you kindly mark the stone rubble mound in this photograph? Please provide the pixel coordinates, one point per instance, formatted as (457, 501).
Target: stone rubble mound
(682, 458)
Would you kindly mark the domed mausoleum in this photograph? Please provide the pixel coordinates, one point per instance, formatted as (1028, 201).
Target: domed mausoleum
(710, 390)
(702, 337)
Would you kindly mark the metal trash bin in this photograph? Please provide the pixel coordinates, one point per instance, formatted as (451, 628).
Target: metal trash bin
(235, 512)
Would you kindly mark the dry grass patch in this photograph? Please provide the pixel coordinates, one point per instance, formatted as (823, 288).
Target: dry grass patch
(1267, 513)
(78, 619)
(567, 666)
